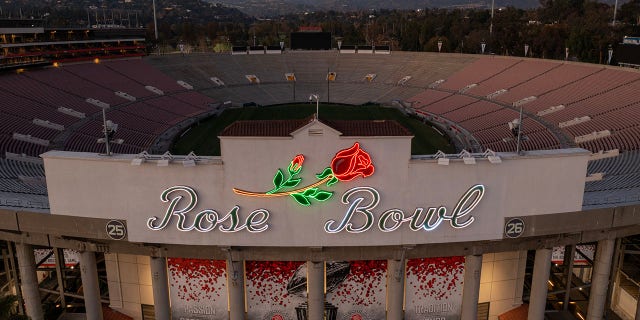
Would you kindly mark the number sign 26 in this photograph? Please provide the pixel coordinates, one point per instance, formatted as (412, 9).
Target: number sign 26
(514, 228)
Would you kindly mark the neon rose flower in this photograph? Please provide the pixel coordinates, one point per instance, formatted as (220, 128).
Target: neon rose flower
(351, 163)
(277, 317)
(346, 165)
(296, 164)
(356, 316)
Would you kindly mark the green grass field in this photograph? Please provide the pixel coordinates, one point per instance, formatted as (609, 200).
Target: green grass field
(203, 138)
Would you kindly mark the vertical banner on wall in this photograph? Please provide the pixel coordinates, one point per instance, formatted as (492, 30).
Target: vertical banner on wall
(267, 295)
(434, 288)
(198, 289)
(356, 289)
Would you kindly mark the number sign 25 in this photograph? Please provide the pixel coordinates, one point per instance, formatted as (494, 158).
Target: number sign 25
(116, 230)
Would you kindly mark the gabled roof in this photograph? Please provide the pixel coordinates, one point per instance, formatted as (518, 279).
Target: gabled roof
(284, 128)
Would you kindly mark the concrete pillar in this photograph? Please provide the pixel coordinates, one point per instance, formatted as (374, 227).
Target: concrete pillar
(471, 290)
(90, 288)
(395, 289)
(235, 274)
(315, 287)
(59, 255)
(29, 283)
(160, 284)
(541, 270)
(600, 279)
(637, 309)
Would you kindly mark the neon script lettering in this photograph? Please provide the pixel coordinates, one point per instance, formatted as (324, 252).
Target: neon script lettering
(360, 202)
(205, 220)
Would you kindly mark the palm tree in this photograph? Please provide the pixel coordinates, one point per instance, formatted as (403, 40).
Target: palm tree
(7, 308)
(7, 305)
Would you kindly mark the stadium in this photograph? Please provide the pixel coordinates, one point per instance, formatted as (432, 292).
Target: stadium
(532, 216)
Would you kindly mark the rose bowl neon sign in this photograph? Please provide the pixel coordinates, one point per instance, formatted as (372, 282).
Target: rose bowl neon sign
(346, 165)
(361, 202)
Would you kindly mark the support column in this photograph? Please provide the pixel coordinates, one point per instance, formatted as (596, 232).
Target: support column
(315, 287)
(29, 283)
(569, 253)
(637, 309)
(13, 270)
(600, 279)
(59, 255)
(160, 284)
(541, 270)
(235, 274)
(90, 288)
(395, 289)
(471, 291)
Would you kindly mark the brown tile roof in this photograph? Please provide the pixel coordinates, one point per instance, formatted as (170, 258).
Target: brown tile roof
(284, 128)
(519, 313)
(110, 314)
(366, 128)
(263, 128)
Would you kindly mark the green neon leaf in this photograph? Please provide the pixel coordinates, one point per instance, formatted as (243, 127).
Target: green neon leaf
(277, 179)
(327, 171)
(310, 192)
(322, 195)
(332, 181)
(301, 199)
(291, 183)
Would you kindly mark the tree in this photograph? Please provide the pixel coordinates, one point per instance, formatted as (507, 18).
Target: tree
(8, 303)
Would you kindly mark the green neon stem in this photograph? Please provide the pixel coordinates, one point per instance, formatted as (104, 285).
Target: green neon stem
(280, 194)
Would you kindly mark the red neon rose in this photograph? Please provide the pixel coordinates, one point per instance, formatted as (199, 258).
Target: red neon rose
(296, 163)
(356, 316)
(350, 163)
(277, 317)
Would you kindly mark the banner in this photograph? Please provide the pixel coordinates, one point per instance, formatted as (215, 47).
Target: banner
(71, 257)
(434, 288)
(356, 290)
(588, 250)
(198, 289)
(267, 295)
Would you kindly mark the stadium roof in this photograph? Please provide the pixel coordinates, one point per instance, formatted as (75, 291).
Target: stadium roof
(284, 128)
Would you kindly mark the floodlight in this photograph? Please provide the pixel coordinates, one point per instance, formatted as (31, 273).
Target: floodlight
(467, 157)
(469, 160)
(442, 158)
(137, 161)
(492, 157)
(188, 163)
(163, 163)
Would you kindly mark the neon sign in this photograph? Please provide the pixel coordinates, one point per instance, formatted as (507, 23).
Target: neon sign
(206, 220)
(346, 165)
(360, 201)
(390, 220)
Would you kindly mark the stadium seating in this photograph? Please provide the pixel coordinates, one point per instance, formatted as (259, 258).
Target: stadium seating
(474, 93)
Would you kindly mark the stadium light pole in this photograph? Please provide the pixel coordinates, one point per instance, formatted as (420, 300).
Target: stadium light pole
(615, 12)
(317, 97)
(519, 137)
(155, 21)
(105, 130)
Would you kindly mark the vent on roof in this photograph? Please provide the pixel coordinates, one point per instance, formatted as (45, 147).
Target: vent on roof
(315, 132)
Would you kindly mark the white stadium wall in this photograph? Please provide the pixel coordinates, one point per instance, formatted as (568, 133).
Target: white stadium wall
(243, 199)
(89, 185)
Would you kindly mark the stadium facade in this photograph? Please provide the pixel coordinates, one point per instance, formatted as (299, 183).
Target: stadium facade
(317, 219)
